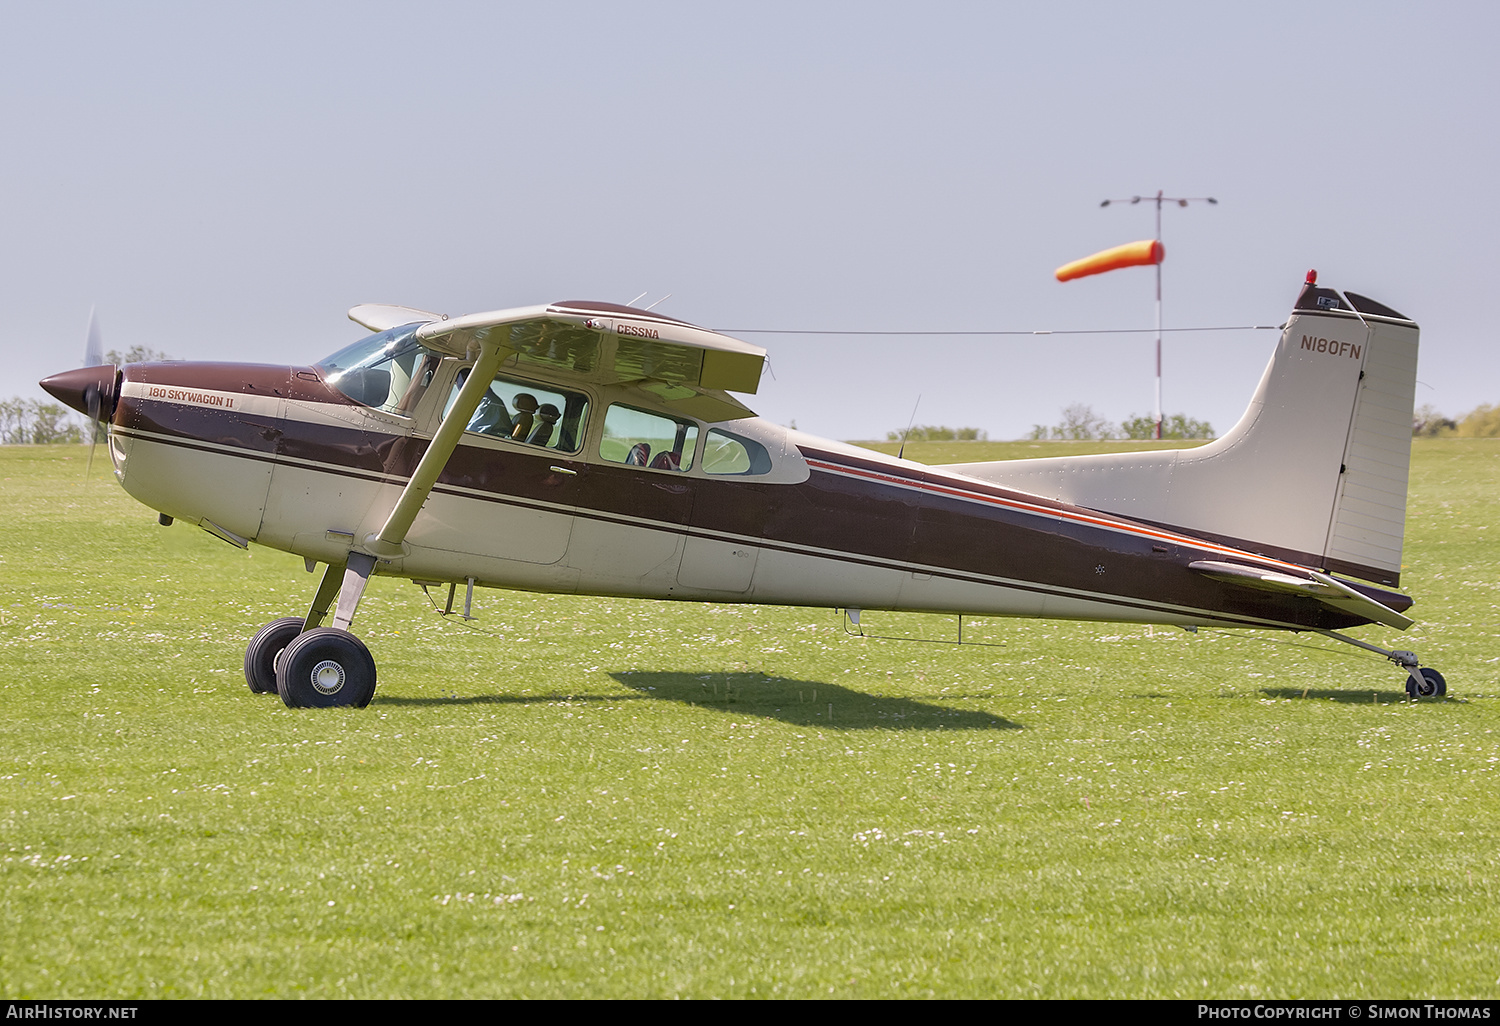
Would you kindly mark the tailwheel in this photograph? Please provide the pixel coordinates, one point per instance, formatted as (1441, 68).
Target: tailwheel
(325, 667)
(265, 648)
(1432, 684)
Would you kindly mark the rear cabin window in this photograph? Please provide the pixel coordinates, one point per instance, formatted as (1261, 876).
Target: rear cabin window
(725, 453)
(528, 413)
(640, 439)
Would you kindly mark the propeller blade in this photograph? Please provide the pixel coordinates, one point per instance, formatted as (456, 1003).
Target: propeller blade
(93, 356)
(92, 398)
(93, 346)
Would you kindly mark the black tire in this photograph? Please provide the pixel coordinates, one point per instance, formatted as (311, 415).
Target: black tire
(1434, 684)
(260, 655)
(326, 667)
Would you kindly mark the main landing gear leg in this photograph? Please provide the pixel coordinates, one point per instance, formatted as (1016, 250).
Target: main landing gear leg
(1421, 681)
(328, 589)
(314, 666)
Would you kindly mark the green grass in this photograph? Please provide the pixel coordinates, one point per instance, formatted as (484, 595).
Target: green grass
(616, 798)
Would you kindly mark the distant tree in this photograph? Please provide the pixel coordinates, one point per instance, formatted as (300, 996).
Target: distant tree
(136, 354)
(1483, 422)
(928, 433)
(1426, 421)
(33, 422)
(1079, 423)
(1178, 425)
(13, 421)
(51, 424)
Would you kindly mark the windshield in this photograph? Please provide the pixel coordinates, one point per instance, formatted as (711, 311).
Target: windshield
(387, 370)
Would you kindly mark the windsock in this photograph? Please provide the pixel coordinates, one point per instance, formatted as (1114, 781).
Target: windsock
(1132, 254)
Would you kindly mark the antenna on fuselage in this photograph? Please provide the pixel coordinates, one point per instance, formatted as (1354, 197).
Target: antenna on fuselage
(637, 299)
(659, 302)
(909, 423)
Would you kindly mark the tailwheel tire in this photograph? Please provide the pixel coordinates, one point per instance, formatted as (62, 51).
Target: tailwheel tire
(265, 648)
(1433, 685)
(325, 667)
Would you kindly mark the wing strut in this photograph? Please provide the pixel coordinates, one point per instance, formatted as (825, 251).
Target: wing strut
(389, 540)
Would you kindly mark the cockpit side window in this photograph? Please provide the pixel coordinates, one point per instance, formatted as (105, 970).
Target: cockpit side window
(637, 438)
(388, 370)
(524, 412)
(725, 453)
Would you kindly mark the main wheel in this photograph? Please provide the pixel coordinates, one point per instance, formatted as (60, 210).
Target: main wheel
(265, 648)
(325, 667)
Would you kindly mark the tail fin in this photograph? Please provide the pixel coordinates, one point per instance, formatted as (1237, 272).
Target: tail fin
(1315, 472)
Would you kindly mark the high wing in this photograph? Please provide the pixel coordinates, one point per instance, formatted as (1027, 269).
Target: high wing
(686, 367)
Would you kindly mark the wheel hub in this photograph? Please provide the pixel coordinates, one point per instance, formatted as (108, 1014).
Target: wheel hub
(328, 677)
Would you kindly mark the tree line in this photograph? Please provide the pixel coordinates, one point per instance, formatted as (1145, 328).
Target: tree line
(929, 433)
(1080, 423)
(33, 422)
(1481, 422)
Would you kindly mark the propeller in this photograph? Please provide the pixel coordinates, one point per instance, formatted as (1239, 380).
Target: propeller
(90, 390)
(93, 395)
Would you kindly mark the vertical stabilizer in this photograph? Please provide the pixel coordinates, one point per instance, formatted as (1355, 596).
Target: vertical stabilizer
(1315, 471)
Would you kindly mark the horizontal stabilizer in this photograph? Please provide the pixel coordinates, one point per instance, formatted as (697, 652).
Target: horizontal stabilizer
(1325, 589)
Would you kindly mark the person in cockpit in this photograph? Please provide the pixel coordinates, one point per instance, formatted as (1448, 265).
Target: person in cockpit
(491, 417)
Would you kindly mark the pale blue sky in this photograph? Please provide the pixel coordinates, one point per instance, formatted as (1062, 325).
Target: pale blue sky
(224, 182)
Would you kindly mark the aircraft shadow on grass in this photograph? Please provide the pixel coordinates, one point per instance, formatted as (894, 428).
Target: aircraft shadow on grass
(806, 703)
(802, 702)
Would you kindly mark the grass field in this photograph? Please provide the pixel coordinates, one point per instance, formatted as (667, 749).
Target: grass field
(615, 798)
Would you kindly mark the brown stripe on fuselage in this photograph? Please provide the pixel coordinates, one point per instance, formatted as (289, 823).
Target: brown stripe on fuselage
(1020, 537)
(1394, 599)
(1243, 546)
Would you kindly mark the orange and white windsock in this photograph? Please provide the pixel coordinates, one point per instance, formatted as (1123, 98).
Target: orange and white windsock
(1132, 254)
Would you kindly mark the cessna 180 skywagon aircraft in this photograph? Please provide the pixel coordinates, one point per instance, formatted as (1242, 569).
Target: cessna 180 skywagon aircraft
(595, 448)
